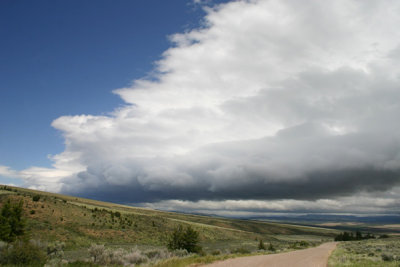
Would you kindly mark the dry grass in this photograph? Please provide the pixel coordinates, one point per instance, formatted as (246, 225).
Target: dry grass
(80, 222)
(372, 252)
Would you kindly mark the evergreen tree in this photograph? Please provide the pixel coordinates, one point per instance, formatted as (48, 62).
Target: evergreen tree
(346, 236)
(5, 229)
(359, 235)
(11, 222)
(187, 239)
(261, 245)
(176, 240)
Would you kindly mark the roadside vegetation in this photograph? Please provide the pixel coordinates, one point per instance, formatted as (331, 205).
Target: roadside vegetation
(381, 251)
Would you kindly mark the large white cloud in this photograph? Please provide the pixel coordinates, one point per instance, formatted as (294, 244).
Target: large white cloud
(269, 100)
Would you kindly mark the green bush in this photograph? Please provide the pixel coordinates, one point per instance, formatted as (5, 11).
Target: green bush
(216, 252)
(11, 222)
(304, 243)
(23, 253)
(187, 239)
(261, 245)
(387, 257)
(271, 247)
(36, 198)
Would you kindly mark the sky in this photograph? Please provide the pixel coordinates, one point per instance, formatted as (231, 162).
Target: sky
(235, 108)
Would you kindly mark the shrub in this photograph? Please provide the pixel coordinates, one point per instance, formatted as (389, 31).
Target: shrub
(116, 257)
(23, 254)
(304, 243)
(135, 257)
(102, 256)
(36, 198)
(96, 252)
(185, 240)
(216, 252)
(241, 250)
(3, 245)
(158, 254)
(387, 257)
(32, 212)
(261, 245)
(56, 249)
(180, 253)
(271, 247)
(11, 222)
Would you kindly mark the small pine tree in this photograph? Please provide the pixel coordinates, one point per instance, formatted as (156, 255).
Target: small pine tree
(261, 245)
(188, 240)
(176, 240)
(11, 222)
(359, 235)
(5, 229)
(191, 238)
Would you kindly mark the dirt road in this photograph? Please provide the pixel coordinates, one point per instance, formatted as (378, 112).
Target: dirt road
(310, 257)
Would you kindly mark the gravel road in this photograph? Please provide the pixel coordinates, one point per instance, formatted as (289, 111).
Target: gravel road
(310, 257)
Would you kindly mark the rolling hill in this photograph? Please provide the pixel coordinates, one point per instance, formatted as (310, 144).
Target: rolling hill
(80, 222)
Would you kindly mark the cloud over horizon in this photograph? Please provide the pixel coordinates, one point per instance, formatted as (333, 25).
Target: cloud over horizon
(281, 105)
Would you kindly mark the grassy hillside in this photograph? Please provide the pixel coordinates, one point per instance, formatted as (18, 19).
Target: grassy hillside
(80, 222)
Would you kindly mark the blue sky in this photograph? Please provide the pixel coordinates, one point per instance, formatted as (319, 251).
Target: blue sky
(226, 107)
(65, 58)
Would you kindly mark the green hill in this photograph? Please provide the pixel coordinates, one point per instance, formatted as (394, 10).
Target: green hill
(80, 222)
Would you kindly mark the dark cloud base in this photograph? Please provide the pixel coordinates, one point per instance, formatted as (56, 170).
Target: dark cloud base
(312, 187)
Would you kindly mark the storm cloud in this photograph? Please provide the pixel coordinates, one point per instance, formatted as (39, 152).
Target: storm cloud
(293, 105)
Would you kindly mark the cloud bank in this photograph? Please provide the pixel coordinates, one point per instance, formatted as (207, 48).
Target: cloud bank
(279, 105)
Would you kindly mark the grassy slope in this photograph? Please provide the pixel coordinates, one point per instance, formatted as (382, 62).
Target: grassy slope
(79, 222)
(365, 253)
